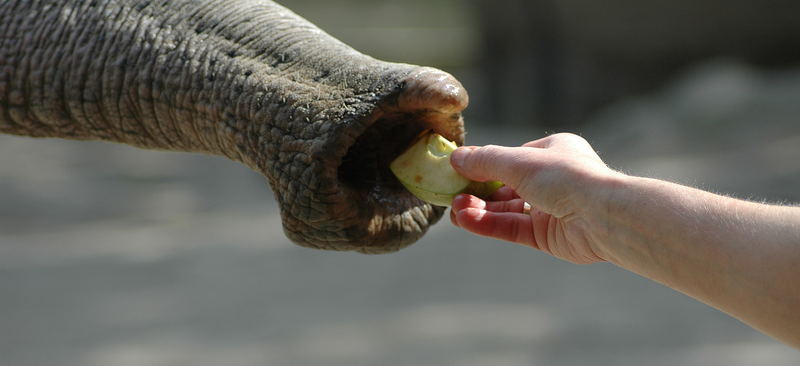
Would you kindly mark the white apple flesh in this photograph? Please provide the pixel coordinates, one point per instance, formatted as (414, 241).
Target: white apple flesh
(425, 170)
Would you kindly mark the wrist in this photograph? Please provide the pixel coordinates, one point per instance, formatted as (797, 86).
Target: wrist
(635, 210)
(607, 206)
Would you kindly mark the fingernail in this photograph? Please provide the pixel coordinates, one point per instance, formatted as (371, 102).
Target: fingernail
(458, 156)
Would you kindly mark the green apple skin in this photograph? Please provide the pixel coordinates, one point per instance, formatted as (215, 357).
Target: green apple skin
(425, 170)
(483, 189)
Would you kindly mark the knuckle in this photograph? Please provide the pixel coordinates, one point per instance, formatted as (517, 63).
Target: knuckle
(574, 141)
(489, 149)
(485, 155)
(568, 136)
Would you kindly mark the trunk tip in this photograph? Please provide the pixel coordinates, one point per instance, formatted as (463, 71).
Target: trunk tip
(433, 90)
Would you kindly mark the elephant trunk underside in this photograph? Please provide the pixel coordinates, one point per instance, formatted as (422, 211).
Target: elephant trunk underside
(248, 80)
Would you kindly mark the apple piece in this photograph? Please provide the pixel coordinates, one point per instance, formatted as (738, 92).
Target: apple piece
(483, 189)
(425, 170)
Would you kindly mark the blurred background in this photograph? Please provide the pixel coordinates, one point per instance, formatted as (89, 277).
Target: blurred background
(111, 255)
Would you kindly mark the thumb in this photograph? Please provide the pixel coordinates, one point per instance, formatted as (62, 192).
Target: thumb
(491, 162)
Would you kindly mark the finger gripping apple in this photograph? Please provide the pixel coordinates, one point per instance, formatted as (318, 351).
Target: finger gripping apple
(425, 170)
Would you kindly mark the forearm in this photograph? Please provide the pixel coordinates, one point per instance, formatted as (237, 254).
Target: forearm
(740, 257)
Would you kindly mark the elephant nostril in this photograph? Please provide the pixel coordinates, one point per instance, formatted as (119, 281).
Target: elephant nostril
(365, 166)
(429, 99)
(376, 212)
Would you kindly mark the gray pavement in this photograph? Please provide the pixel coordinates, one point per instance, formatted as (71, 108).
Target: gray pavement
(111, 255)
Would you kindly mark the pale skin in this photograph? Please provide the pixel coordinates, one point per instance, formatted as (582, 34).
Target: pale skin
(740, 257)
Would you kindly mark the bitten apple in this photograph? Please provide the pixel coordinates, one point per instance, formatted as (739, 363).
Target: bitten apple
(425, 170)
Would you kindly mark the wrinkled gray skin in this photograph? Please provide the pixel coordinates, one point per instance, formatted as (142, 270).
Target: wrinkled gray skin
(249, 80)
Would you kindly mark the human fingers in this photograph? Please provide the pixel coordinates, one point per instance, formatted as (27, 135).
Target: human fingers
(463, 201)
(504, 193)
(475, 215)
(491, 162)
(508, 226)
(515, 205)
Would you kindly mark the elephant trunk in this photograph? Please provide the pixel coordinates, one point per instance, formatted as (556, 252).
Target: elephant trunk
(248, 80)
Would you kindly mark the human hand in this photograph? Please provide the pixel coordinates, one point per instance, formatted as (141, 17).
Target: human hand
(562, 179)
(738, 256)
